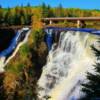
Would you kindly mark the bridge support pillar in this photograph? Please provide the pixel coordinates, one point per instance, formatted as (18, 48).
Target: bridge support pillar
(80, 24)
(50, 22)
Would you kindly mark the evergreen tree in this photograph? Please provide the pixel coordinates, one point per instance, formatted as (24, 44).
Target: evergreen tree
(44, 10)
(50, 12)
(60, 11)
(0, 6)
(17, 17)
(1, 15)
(92, 88)
(9, 18)
(28, 4)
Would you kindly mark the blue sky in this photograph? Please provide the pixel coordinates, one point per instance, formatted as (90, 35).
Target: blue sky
(84, 4)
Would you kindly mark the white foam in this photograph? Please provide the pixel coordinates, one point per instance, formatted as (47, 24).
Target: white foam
(66, 67)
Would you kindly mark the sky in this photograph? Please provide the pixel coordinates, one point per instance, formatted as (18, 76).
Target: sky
(83, 4)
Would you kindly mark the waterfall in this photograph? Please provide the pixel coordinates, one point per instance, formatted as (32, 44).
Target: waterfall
(6, 55)
(67, 66)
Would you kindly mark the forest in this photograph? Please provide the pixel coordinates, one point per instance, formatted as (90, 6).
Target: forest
(22, 15)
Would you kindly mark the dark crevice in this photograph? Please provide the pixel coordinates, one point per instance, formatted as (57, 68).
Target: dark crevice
(6, 35)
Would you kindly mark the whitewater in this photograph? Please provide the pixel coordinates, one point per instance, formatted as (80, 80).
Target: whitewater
(4, 61)
(68, 62)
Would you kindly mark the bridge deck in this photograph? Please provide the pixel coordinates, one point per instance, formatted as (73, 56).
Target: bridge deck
(72, 19)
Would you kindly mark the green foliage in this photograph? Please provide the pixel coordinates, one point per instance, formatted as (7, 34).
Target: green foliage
(92, 88)
(60, 11)
(20, 61)
(24, 50)
(15, 16)
(97, 52)
(22, 15)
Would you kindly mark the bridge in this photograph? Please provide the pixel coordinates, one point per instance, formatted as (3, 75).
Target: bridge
(15, 27)
(79, 20)
(52, 32)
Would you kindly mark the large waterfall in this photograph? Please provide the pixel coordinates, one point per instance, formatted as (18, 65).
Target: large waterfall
(66, 68)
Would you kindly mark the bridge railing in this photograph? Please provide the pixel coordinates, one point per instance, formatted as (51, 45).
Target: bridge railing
(79, 20)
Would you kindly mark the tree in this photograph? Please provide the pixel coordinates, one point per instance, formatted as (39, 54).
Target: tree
(9, 17)
(1, 15)
(59, 11)
(0, 6)
(44, 10)
(92, 88)
(28, 4)
(36, 20)
(50, 12)
(17, 17)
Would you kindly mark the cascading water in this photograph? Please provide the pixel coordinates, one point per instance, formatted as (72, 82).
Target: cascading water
(67, 66)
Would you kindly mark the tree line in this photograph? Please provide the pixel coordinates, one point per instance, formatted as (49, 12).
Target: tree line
(15, 16)
(21, 15)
